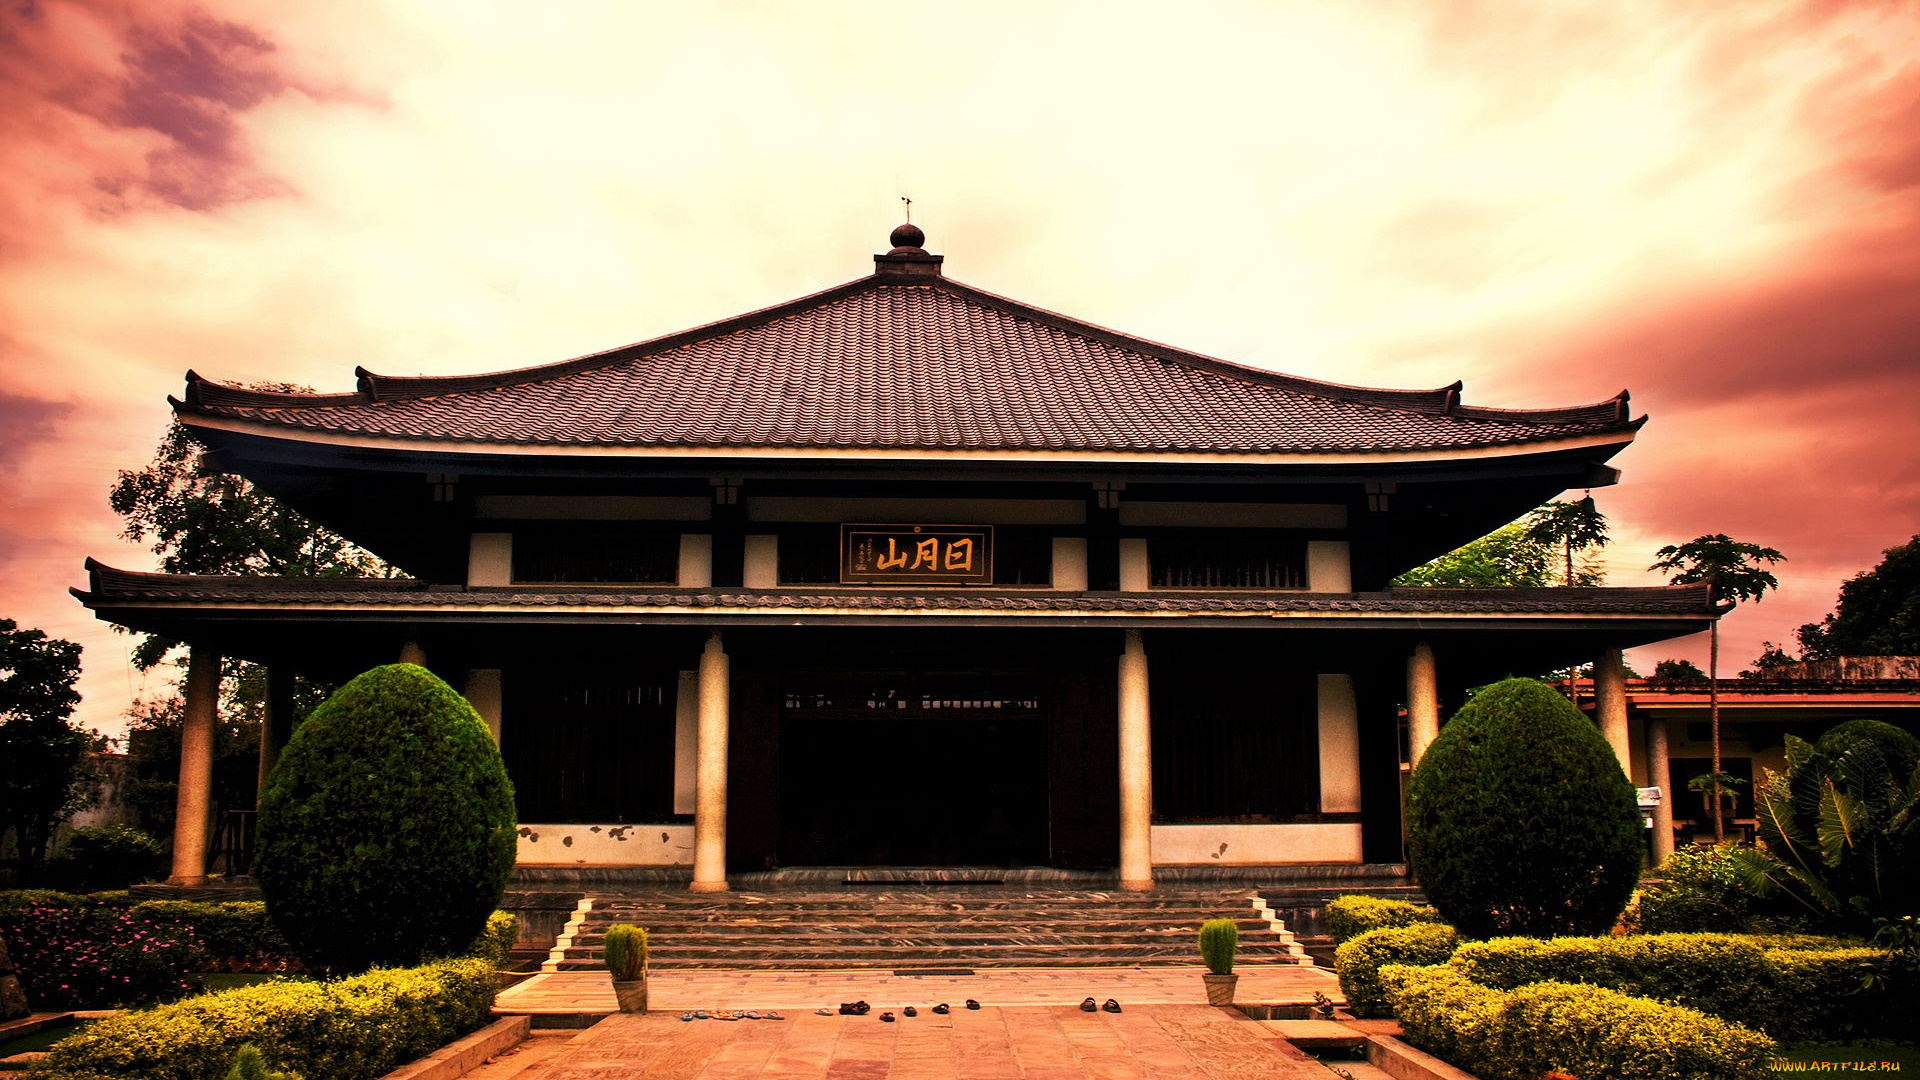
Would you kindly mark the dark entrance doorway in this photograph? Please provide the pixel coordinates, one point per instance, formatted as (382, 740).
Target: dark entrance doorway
(901, 769)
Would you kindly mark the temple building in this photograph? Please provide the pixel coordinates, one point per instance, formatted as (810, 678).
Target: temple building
(907, 574)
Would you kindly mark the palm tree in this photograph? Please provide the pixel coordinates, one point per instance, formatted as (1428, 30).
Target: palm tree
(1732, 572)
(1570, 526)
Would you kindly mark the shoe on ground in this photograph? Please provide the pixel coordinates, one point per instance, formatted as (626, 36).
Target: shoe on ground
(941, 1009)
(909, 1011)
(1089, 1005)
(1110, 1006)
(886, 1018)
(972, 1004)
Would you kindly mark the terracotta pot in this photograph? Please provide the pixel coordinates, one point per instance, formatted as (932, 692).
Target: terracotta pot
(632, 995)
(1220, 988)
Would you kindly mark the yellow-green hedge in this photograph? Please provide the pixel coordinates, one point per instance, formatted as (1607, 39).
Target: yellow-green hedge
(352, 1029)
(1588, 1031)
(1358, 962)
(1350, 916)
(1793, 988)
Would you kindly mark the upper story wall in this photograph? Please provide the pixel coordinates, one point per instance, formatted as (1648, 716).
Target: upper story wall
(794, 541)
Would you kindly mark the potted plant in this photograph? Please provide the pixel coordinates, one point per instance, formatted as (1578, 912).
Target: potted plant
(626, 953)
(1218, 940)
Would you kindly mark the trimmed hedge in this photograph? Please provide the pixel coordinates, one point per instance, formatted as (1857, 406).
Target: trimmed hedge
(92, 952)
(1793, 988)
(1350, 916)
(1359, 961)
(234, 936)
(351, 1029)
(1587, 1031)
(386, 831)
(1519, 820)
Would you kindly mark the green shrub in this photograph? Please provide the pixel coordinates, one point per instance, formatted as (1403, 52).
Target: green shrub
(1587, 1031)
(234, 936)
(1793, 989)
(1350, 916)
(1519, 819)
(1219, 939)
(79, 952)
(352, 1029)
(495, 943)
(1697, 889)
(386, 831)
(249, 1065)
(1358, 961)
(626, 951)
(1836, 829)
(106, 857)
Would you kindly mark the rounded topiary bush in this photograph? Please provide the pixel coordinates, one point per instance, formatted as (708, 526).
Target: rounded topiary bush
(1520, 821)
(386, 831)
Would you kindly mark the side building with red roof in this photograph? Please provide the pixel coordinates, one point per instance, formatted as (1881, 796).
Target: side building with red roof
(907, 574)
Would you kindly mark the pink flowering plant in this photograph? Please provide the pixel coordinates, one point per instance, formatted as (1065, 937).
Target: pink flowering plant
(85, 953)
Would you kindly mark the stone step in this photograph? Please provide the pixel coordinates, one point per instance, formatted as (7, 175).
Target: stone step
(918, 956)
(592, 939)
(694, 942)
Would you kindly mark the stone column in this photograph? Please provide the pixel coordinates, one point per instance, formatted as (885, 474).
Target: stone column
(412, 653)
(1660, 775)
(1423, 702)
(483, 691)
(1136, 769)
(194, 803)
(1610, 706)
(710, 780)
(278, 727)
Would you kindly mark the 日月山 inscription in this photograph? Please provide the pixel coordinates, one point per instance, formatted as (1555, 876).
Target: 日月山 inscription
(916, 555)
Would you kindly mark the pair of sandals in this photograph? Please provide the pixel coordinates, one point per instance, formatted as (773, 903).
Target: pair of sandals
(1110, 1006)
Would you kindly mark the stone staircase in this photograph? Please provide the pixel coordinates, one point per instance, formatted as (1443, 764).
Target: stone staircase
(964, 927)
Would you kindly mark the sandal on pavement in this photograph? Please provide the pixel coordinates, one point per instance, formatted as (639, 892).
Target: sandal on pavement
(886, 1018)
(941, 1009)
(1089, 1005)
(1110, 1006)
(972, 1004)
(909, 1011)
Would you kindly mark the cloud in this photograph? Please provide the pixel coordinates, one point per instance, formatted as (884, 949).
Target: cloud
(28, 422)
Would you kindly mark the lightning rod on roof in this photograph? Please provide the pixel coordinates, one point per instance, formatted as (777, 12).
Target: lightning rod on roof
(909, 203)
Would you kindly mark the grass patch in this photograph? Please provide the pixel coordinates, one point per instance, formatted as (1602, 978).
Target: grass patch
(42, 1039)
(1839, 1059)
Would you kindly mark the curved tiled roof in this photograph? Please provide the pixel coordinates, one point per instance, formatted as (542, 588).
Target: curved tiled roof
(896, 361)
(112, 587)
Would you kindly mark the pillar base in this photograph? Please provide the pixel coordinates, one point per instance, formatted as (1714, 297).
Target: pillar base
(707, 886)
(1137, 885)
(187, 882)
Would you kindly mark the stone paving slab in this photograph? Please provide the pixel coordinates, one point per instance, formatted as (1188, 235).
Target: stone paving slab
(676, 992)
(1157, 1042)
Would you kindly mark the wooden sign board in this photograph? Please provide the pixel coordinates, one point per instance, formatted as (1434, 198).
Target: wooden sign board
(916, 554)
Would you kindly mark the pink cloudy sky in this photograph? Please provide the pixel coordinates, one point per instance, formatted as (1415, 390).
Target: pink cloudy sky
(1714, 205)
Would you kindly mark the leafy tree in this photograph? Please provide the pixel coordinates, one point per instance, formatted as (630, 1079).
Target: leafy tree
(200, 521)
(1732, 571)
(1679, 673)
(1772, 658)
(1840, 828)
(1508, 557)
(46, 776)
(386, 831)
(1519, 819)
(1572, 527)
(1878, 613)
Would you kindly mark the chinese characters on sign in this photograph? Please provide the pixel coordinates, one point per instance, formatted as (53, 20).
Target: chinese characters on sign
(916, 554)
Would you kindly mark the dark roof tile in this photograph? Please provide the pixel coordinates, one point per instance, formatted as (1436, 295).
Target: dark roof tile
(887, 362)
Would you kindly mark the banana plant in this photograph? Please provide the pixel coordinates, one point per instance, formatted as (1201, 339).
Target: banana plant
(1839, 832)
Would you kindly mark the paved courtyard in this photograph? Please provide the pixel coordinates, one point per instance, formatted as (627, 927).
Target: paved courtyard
(1161, 1042)
(1029, 1027)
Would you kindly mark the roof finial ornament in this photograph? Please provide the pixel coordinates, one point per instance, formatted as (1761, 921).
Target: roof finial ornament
(909, 203)
(908, 256)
